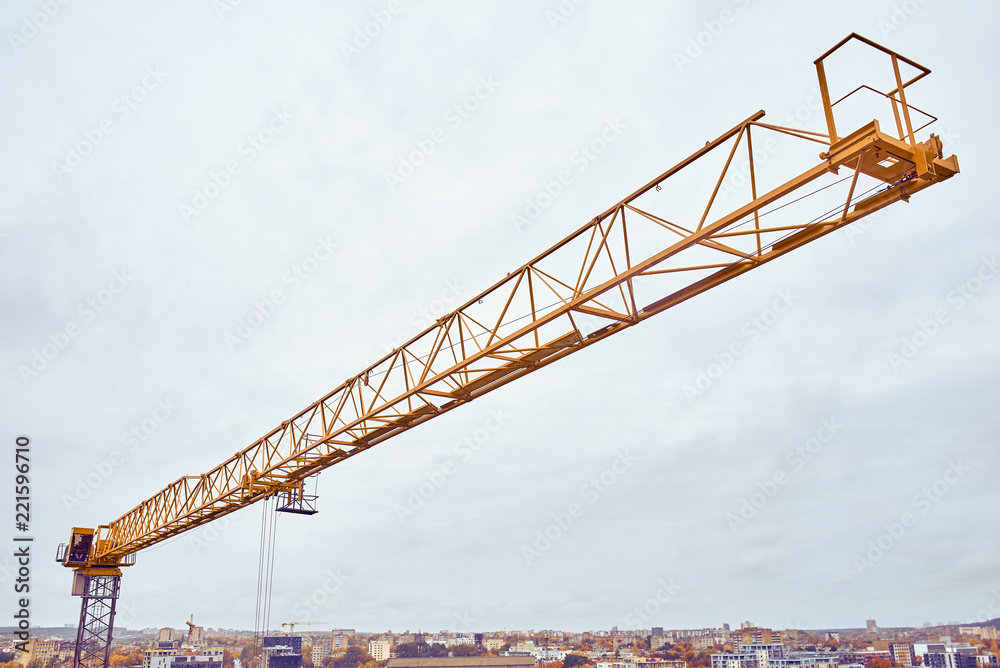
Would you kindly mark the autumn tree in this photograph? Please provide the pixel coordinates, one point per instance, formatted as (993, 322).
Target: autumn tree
(356, 655)
(412, 650)
(573, 660)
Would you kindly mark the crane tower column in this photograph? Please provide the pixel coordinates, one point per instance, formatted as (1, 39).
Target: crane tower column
(97, 613)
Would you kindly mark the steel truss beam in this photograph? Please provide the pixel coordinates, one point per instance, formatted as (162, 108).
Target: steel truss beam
(643, 255)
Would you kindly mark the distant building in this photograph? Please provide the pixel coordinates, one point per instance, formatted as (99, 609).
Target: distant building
(492, 644)
(657, 631)
(379, 649)
(171, 658)
(871, 626)
(755, 635)
(951, 660)
(158, 658)
(282, 652)
(901, 652)
(656, 642)
(766, 652)
(320, 650)
(41, 650)
(984, 632)
(167, 635)
(547, 655)
(207, 658)
(748, 660)
(465, 662)
(865, 658)
(657, 663)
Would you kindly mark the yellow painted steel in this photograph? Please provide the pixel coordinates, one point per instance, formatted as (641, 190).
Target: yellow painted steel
(592, 284)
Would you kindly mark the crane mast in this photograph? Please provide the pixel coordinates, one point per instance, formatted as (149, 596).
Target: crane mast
(630, 262)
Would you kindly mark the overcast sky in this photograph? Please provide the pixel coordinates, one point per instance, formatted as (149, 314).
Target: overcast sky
(170, 171)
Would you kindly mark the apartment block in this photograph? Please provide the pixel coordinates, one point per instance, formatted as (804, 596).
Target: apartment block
(320, 650)
(738, 660)
(41, 650)
(379, 649)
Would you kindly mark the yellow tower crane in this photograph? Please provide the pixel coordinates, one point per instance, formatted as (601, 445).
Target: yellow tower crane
(646, 253)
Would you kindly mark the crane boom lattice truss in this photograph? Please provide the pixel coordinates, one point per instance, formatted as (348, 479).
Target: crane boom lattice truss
(636, 259)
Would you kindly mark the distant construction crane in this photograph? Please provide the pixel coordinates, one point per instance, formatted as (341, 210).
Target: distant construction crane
(636, 259)
(291, 625)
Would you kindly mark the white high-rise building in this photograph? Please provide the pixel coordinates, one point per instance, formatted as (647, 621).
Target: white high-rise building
(320, 650)
(379, 649)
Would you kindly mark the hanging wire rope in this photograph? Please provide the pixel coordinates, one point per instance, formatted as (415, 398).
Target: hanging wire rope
(265, 575)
